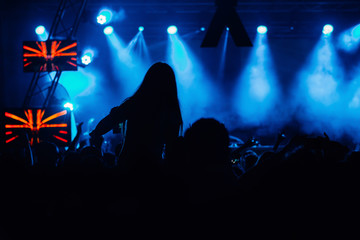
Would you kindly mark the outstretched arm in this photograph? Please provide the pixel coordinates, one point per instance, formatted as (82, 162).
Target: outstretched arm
(117, 115)
(72, 145)
(104, 126)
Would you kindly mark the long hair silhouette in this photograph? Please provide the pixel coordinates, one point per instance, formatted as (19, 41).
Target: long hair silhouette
(151, 116)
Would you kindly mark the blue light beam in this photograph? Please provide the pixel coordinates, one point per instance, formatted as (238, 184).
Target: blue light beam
(223, 57)
(42, 33)
(319, 90)
(257, 92)
(196, 93)
(129, 68)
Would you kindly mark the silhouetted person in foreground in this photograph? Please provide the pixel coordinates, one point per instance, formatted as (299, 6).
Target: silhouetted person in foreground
(209, 173)
(151, 118)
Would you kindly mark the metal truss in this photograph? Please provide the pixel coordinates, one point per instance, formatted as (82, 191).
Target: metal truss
(64, 27)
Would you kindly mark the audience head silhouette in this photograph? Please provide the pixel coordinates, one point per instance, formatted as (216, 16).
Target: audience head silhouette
(207, 142)
(159, 83)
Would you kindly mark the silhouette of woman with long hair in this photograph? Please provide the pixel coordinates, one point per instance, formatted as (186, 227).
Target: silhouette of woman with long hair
(152, 118)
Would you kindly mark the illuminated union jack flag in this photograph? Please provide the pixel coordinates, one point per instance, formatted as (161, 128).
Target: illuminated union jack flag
(36, 125)
(52, 55)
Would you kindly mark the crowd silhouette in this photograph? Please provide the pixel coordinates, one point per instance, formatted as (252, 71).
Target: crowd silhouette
(160, 178)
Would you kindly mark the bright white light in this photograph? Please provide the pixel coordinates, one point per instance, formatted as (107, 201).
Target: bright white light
(328, 29)
(141, 28)
(86, 59)
(108, 30)
(101, 19)
(104, 16)
(69, 106)
(172, 29)
(40, 30)
(87, 56)
(262, 29)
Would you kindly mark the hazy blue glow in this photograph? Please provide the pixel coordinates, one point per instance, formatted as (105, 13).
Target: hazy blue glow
(256, 92)
(141, 28)
(349, 39)
(108, 30)
(196, 93)
(172, 29)
(262, 29)
(320, 94)
(80, 83)
(328, 29)
(353, 108)
(322, 74)
(87, 88)
(356, 32)
(202, 29)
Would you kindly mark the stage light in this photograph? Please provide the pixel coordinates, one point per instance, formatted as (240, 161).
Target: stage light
(108, 30)
(202, 29)
(87, 56)
(86, 59)
(172, 29)
(328, 29)
(104, 16)
(101, 19)
(42, 33)
(227, 28)
(262, 29)
(40, 30)
(69, 106)
(141, 28)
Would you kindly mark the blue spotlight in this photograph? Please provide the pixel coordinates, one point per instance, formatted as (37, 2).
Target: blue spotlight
(101, 19)
(108, 30)
(87, 56)
(227, 28)
(69, 105)
(262, 29)
(86, 59)
(172, 29)
(141, 28)
(104, 16)
(40, 30)
(202, 29)
(328, 29)
(257, 92)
